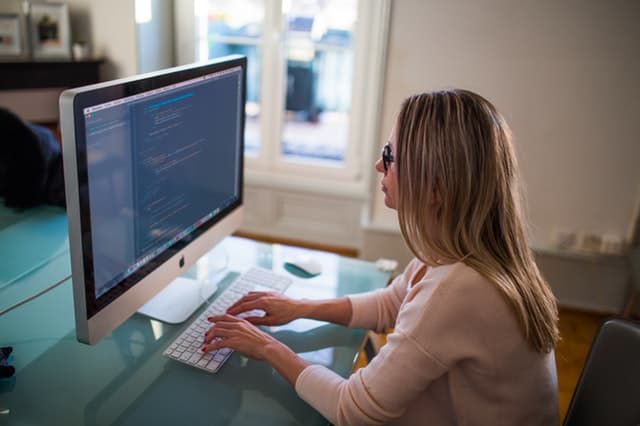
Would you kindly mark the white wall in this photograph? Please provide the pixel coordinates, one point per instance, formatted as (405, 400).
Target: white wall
(185, 26)
(109, 26)
(154, 39)
(565, 75)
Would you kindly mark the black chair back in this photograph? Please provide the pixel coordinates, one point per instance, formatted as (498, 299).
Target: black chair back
(608, 391)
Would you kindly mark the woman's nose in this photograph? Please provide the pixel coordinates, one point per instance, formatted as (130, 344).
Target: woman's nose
(379, 166)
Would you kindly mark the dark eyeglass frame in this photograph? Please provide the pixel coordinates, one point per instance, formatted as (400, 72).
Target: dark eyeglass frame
(387, 157)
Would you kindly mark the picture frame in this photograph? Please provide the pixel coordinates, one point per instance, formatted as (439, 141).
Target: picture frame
(11, 42)
(49, 30)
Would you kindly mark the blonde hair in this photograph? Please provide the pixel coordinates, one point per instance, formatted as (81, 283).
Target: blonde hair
(459, 201)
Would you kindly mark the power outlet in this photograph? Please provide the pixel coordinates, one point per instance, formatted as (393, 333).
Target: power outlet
(564, 239)
(612, 244)
(591, 242)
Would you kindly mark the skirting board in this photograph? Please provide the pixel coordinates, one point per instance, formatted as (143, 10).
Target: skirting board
(594, 283)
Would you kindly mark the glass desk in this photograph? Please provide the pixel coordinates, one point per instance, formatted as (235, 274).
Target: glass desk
(125, 379)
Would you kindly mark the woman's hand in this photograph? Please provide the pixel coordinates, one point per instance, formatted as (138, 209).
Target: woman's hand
(278, 309)
(239, 335)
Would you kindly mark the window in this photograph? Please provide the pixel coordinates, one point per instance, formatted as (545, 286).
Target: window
(308, 115)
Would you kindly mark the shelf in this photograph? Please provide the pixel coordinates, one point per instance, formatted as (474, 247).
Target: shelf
(48, 73)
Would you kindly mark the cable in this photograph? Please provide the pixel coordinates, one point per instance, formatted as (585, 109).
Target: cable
(33, 296)
(34, 267)
(56, 284)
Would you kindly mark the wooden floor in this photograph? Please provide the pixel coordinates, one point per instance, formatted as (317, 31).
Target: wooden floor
(576, 330)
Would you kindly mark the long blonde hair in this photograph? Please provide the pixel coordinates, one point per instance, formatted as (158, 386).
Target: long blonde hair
(459, 201)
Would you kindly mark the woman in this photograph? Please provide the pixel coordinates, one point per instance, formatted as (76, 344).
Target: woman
(474, 322)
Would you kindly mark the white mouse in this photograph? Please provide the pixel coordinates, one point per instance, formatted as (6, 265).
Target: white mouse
(305, 264)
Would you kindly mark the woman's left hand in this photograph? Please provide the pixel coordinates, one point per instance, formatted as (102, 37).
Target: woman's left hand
(237, 334)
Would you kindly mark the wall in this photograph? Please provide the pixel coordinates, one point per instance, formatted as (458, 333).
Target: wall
(185, 26)
(128, 48)
(154, 39)
(109, 27)
(37, 105)
(565, 76)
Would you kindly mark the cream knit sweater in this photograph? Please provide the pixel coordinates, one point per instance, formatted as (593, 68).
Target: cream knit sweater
(456, 357)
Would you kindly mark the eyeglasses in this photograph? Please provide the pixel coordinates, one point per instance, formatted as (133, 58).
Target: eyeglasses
(387, 156)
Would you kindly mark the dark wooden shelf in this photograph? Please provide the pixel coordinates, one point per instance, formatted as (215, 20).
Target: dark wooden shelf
(51, 73)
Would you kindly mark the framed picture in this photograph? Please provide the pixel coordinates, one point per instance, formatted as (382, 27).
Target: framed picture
(11, 44)
(49, 30)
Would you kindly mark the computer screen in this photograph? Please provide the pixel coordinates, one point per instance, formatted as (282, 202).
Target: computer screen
(153, 170)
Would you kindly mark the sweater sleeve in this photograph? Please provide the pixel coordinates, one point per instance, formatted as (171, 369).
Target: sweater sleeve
(375, 394)
(377, 310)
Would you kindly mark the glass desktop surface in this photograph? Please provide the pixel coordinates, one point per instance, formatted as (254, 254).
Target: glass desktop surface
(125, 379)
(31, 242)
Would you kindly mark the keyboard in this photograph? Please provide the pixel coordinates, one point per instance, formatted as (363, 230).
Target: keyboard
(186, 347)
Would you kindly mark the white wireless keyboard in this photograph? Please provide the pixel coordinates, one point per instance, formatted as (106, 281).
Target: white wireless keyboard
(186, 347)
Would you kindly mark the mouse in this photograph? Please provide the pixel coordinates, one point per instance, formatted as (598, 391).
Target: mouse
(304, 264)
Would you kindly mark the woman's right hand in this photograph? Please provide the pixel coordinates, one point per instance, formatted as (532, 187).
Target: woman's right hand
(278, 309)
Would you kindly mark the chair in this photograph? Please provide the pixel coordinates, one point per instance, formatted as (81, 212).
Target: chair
(608, 392)
(634, 268)
(634, 278)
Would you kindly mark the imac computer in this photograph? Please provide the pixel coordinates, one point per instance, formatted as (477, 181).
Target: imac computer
(153, 168)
